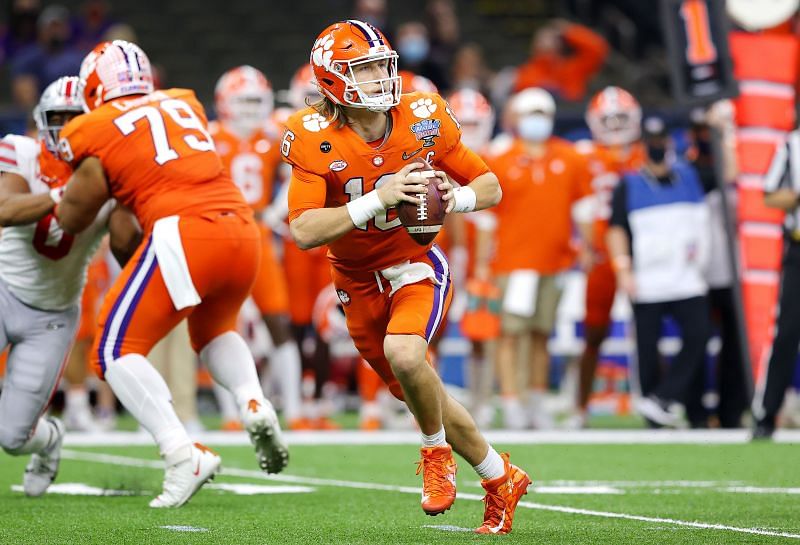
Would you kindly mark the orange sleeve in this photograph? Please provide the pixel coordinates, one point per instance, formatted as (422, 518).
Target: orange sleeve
(583, 176)
(591, 49)
(462, 164)
(306, 191)
(74, 144)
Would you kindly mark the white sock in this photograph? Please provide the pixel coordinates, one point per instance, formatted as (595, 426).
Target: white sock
(285, 368)
(435, 440)
(41, 439)
(76, 399)
(228, 408)
(143, 392)
(492, 466)
(231, 364)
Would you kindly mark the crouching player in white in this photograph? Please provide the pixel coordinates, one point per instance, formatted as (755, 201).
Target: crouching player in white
(42, 273)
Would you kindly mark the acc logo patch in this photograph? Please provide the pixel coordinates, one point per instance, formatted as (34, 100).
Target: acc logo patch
(344, 297)
(426, 130)
(338, 166)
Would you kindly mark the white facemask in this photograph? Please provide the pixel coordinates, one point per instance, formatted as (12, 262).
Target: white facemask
(535, 127)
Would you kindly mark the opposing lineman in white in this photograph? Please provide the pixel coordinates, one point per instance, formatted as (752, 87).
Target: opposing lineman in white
(42, 274)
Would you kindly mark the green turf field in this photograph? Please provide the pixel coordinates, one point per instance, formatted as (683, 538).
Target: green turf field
(368, 494)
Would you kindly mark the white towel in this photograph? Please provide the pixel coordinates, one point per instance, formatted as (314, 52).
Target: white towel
(172, 262)
(521, 292)
(407, 273)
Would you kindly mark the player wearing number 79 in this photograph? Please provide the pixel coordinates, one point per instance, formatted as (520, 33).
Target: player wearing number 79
(353, 161)
(42, 273)
(151, 151)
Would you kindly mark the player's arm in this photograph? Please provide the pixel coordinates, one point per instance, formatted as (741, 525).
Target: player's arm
(17, 205)
(125, 234)
(86, 193)
(318, 226)
(479, 189)
(618, 240)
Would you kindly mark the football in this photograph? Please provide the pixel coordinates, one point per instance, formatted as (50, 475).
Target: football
(423, 221)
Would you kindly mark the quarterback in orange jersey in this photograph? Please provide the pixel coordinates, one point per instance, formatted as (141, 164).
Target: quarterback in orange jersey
(247, 142)
(614, 117)
(151, 151)
(353, 160)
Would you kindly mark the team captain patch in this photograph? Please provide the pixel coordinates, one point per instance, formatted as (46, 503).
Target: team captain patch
(426, 130)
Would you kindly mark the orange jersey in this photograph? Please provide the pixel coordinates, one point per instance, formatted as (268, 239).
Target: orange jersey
(534, 219)
(607, 165)
(251, 162)
(157, 154)
(332, 166)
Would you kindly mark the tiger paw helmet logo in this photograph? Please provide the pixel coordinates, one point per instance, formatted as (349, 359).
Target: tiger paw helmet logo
(321, 53)
(423, 107)
(344, 297)
(315, 122)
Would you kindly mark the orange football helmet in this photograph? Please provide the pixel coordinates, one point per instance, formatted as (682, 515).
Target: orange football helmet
(302, 87)
(112, 70)
(476, 116)
(412, 83)
(345, 46)
(614, 117)
(243, 99)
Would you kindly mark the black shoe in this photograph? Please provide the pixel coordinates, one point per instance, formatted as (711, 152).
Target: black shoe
(763, 432)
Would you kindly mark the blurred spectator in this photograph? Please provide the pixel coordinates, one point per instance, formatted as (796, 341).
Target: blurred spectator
(90, 28)
(546, 186)
(564, 59)
(373, 12)
(413, 47)
(721, 275)
(782, 191)
(413, 83)
(469, 69)
(20, 28)
(658, 242)
(443, 31)
(119, 31)
(47, 60)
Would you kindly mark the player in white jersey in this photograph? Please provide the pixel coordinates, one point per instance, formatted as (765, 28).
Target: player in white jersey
(42, 273)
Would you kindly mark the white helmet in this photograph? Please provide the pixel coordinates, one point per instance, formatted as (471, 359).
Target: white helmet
(61, 96)
(112, 70)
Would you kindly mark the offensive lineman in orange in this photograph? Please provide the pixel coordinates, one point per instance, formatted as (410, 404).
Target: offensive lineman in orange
(352, 158)
(152, 152)
(614, 118)
(248, 144)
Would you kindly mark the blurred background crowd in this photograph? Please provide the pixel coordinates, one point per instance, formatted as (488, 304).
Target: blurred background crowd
(605, 290)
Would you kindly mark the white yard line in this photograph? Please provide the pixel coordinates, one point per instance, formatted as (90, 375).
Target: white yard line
(138, 462)
(389, 437)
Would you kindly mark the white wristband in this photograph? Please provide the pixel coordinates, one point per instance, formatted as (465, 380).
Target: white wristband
(56, 194)
(365, 208)
(464, 199)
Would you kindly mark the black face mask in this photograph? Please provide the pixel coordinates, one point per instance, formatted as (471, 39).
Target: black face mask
(703, 147)
(656, 154)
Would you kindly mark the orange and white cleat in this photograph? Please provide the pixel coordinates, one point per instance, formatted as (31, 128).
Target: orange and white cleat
(262, 425)
(502, 496)
(185, 477)
(300, 424)
(370, 424)
(438, 469)
(232, 425)
(323, 423)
